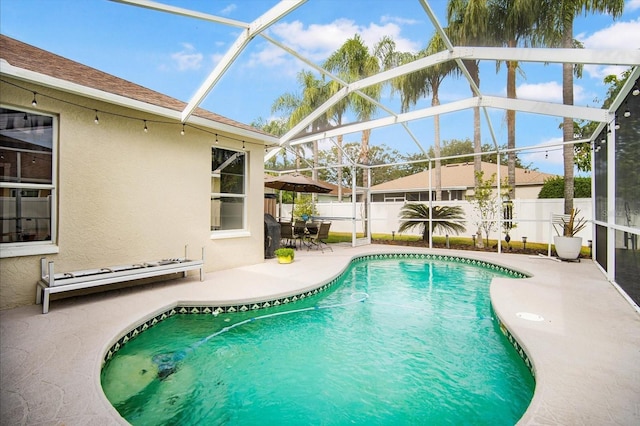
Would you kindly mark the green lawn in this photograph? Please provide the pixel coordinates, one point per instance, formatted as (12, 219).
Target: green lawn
(454, 241)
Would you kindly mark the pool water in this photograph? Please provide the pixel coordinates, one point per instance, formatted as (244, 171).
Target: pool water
(394, 342)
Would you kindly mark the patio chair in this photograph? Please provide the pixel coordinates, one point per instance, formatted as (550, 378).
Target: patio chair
(287, 239)
(299, 231)
(320, 237)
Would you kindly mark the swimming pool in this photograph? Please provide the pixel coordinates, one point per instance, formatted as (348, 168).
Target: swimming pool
(395, 340)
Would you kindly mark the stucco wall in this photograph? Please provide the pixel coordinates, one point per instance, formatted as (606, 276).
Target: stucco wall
(127, 196)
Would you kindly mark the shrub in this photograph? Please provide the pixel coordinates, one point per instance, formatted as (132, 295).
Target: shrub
(554, 188)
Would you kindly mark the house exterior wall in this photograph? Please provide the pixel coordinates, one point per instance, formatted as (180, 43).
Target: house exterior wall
(125, 196)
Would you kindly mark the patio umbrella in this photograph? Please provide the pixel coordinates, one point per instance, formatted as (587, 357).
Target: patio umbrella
(296, 182)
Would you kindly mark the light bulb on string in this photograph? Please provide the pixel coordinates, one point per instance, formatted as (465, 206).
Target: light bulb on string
(546, 155)
(182, 131)
(627, 113)
(145, 126)
(216, 138)
(96, 120)
(243, 148)
(636, 90)
(34, 102)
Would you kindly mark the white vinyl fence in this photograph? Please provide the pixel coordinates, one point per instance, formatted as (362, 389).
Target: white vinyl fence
(530, 217)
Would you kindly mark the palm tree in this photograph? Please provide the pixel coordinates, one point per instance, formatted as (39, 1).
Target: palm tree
(444, 218)
(420, 84)
(336, 113)
(314, 93)
(468, 22)
(556, 28)
(513, 24)
(353, 62)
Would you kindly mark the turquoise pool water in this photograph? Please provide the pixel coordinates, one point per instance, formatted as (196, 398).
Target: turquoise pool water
(399, 341)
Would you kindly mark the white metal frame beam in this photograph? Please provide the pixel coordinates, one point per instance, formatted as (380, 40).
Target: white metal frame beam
(256, 27)
(457, 54)
(586, 56)
(536, 107)
(147, 4)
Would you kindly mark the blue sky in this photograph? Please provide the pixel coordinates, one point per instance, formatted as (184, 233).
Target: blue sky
(174, 55)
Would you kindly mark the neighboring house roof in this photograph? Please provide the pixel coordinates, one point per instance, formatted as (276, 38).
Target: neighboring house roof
(460, 176)
(334, 189)
(26, 57)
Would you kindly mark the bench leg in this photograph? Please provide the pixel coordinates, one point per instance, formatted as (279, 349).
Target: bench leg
(38, 294)
(45, 302)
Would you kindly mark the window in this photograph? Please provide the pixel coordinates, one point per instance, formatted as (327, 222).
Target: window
(228, 189)
(27, 183)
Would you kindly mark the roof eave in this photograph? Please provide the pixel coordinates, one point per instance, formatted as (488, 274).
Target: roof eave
(100, 95)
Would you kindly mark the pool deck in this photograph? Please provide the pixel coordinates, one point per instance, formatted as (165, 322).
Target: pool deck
(585, 351)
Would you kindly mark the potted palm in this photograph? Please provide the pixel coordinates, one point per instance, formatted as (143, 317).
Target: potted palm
(568, 246)
(285, 254)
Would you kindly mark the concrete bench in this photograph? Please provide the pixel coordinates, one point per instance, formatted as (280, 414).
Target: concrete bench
(51, 283)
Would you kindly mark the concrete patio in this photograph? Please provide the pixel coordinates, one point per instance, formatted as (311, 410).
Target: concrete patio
(585, 351)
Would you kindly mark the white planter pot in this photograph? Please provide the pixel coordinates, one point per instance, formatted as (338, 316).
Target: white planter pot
(568, 247)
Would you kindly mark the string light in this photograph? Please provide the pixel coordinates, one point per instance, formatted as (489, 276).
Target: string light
(636, 90)
(243, 148)
(182, 131)
(627, 113)
(546, 155)
(97, 112)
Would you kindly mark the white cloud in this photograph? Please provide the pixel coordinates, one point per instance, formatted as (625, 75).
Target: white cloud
(600, 72)
(317, 41)
(227, 10)
(620, 35)
(188, 58)
(632, 5)
(550, 91)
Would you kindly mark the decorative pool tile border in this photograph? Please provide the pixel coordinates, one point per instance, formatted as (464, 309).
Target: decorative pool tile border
(427, 256)
(221, 309)
(514, 342)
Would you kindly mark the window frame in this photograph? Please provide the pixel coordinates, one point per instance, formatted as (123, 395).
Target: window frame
(31, 248)
(244, 196)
